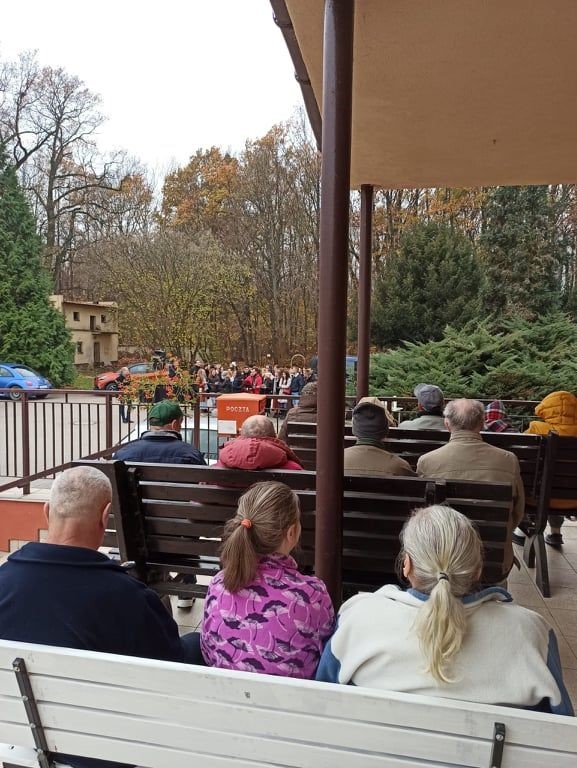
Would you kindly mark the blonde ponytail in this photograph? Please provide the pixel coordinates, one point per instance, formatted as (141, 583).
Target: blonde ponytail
(446, 557)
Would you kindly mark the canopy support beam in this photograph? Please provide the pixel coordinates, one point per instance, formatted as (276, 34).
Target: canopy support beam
(365, 270)
(333, 279)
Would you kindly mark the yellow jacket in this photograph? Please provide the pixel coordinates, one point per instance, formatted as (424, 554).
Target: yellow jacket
(559, 413)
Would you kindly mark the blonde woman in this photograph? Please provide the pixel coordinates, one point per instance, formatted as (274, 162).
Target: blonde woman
(441, 637)
(261, 614)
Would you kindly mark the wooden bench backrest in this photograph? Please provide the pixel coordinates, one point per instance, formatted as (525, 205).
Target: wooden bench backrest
(559, 476)
(173, 515)
(412, 444)
(166, 715)
(182, 504)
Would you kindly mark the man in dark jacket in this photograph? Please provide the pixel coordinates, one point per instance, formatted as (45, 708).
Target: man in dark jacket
(163, 443)
(65, 592)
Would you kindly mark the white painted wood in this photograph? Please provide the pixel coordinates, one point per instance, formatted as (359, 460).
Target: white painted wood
(168, 715)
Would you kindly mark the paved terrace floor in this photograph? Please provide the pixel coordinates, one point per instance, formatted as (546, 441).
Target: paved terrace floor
(560, 609)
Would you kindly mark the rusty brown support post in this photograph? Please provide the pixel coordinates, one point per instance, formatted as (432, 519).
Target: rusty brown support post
(333, 277)
(25, 422)
(364, 312)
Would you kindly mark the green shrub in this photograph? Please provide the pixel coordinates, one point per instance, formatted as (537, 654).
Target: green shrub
(511, 359)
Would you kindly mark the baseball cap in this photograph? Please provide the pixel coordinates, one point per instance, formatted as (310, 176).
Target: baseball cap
(429, 396)
(164, 412)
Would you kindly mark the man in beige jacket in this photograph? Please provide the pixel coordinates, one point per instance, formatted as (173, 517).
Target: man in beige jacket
(369, 456)
(467, 457)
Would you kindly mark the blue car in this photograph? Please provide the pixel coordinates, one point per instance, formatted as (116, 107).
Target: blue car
(19, 378)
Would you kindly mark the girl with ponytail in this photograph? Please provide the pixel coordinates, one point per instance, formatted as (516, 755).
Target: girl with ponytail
(261, 614)
(445, 636)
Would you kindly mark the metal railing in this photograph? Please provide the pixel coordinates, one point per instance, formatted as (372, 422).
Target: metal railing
(42, 433)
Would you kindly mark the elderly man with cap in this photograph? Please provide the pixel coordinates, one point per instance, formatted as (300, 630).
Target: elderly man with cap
(163, 443)
(369, 456)
(430, 402)
(305, 411)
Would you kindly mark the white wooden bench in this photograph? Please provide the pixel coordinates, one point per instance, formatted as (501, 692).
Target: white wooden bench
(164, 715)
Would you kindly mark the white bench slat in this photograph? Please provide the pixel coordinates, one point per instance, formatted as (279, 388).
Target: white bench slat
(213, 685)
(18, 756)
(161, 714)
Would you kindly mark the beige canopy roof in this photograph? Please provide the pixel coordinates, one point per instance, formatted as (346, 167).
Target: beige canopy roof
(455, 93)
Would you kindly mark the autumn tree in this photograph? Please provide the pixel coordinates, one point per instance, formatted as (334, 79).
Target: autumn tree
(174, 290)
(48, 121)
(201, 196)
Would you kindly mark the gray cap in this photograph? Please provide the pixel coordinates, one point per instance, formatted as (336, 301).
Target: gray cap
(429, 396)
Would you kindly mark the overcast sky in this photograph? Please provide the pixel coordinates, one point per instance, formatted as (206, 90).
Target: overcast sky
(174, 75)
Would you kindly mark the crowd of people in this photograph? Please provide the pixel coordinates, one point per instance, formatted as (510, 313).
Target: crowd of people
(260, 380)
(444, 634)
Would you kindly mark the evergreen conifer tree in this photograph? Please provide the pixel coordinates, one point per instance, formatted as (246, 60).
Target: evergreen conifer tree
(521, 252)
(431, 281)
(32, 331)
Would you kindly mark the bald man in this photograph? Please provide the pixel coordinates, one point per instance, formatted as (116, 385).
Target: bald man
(65, 592)
(467, 457)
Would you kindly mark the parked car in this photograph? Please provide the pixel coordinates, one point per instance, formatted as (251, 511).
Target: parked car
(137, 370)
(209, 441)
(18, 378)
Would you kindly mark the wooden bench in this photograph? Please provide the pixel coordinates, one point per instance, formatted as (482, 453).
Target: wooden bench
(169, 519)
(559, 481)
(168, 715)
(532, 452)
(412, 444)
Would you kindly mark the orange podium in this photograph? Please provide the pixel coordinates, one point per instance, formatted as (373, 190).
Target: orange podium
(233, 410)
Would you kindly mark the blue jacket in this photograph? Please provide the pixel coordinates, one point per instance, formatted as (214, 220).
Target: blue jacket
(162, 447)
(75, 597)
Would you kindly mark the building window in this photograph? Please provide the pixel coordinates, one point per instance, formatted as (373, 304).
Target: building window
(102, 318)
(76, 316)
(79, 347)
(92, 322)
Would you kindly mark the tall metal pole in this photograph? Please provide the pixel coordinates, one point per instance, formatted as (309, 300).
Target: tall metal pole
(333, 277)
(364, 316)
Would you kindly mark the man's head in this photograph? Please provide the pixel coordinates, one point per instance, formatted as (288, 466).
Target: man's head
(429, 398)
(370, 420)
(257, 426)
(165, 415)
(125, 371)
(464, 415)
(310, 390)
(78, 508)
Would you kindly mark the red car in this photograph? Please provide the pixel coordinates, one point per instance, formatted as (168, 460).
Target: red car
(137, 370)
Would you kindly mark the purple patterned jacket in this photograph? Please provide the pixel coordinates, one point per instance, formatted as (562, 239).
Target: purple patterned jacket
(278, 625)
